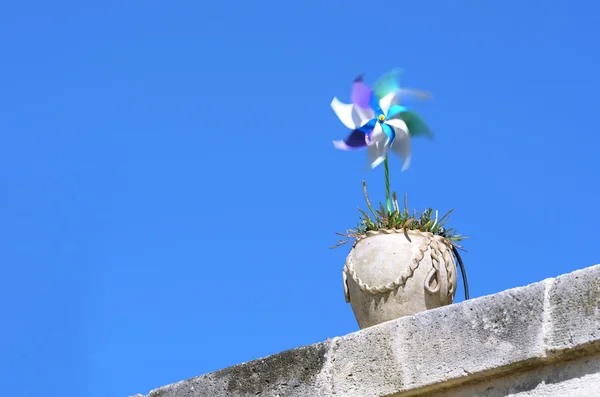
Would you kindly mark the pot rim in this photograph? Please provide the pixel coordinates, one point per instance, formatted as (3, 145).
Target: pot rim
(406, 232)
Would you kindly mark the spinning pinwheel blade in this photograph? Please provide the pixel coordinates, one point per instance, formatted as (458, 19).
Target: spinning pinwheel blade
(378, 120)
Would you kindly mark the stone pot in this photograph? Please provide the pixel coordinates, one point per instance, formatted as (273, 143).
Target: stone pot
(394, 273)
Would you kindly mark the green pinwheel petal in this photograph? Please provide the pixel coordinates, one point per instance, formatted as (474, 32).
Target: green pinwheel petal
(415, 123)
(387, 83)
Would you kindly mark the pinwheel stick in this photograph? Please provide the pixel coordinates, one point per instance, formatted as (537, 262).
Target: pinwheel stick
(387, 185)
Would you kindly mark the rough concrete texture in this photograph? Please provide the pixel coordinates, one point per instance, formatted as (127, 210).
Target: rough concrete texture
(540, 340)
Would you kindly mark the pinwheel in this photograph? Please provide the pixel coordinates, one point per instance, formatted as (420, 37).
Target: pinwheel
(378, 121)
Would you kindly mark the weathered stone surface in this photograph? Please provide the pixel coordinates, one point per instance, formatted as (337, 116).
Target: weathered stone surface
(540, 340)
(364, 363)
(484, 334)
(575, 378)
(574, 310)
(290, 373)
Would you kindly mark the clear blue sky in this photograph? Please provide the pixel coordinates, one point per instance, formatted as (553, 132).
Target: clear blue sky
(169, 189)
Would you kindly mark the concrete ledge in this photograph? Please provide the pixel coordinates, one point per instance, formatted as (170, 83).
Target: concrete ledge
(483, 339)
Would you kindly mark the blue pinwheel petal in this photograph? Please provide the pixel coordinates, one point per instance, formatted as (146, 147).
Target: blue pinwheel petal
(395, 110)
(369, 127)
(374, 104)
(389, 132)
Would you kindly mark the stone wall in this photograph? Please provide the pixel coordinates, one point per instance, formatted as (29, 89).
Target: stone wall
(538, 340)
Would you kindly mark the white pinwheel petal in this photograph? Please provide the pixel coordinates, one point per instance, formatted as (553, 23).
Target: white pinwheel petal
(378, 135)
(401, 147)
(349, 114)
(377, 155)
(416, 94)
(401, 144)
(344, 111)
(400, 96)
(387, 101)
(399, 126)
(365, 114)
(377, 148)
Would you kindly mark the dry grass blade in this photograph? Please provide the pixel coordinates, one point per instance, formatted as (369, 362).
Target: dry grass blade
(363, 213)
(339, 243)
(367, 198)
(406, 235)
(383, 213)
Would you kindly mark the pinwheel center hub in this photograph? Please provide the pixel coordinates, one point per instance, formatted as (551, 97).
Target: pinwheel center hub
(381, 118)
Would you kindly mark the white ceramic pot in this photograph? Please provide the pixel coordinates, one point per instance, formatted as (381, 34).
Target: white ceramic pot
(395, 273)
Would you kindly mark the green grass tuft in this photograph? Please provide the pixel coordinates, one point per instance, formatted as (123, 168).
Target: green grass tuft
(399, 218)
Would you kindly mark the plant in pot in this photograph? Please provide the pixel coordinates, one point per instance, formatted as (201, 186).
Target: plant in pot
(400, 263)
